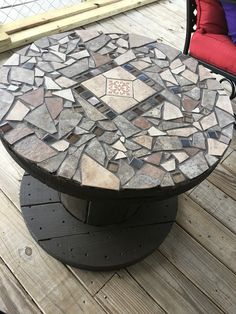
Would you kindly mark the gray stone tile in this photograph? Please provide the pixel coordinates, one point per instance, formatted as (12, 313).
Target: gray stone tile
(34, 149)
(194, 166)
(22, 75)
(126, 128)
(96, 151)
(52, 164)
(20, 131)
(67, 121)
(6, 102)
(41, 118)
(76, 68)
(167, 143)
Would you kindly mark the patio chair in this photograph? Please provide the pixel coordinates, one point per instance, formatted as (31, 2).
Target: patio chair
(207, 40)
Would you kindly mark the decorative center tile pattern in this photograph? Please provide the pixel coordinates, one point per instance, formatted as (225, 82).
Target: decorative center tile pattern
(113, 111)
(119, 88)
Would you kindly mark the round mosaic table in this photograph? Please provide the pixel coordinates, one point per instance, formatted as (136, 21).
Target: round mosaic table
(110, 129)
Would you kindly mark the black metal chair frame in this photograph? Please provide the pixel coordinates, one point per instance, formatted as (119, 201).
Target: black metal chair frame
(191, 22)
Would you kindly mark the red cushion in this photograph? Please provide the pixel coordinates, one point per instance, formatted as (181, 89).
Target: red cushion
(215, 49)
(211, 17)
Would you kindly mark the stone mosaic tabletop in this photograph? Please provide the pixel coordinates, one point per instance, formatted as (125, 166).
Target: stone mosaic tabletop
(113, 111)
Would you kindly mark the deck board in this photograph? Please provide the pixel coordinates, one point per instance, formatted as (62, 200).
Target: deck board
(194, 270)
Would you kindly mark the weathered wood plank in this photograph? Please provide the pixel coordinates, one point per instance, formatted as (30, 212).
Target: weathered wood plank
(230, 162)
(169, 287)
(51, 285)
(29, 35)
(224, 180)
(10, 176)
(202, 268)
(92, 281)
(53, 15)
(13, 299)
(122, 294)
(216, 203)
(208, 231)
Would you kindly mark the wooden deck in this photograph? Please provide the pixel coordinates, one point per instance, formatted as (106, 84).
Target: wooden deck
(194, 270)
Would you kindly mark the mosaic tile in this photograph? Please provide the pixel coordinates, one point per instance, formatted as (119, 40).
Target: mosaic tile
(179, 69)
(216, 148)
(54, 106)
(22, 75)
(66, 94)
(119, 146)
(41, 118)
(19, 132)
(64, 82)
(113, 167)
(91, 112)
(13, 60)
(154, 159)
(149, 176)
(208, 121)
(170, 52)
(199, 140)
(61, 145)
(115, 112)
(178, 177)
(224, 103)
(97, 85)
(213, 84)
(107, 125)
(68, 167)
(120, 155)
(182, 132)
(110, 152)
(50, 84)
(67, 121)
(204, 73)
(138, 40)
(87, 35)
(131, 145)
(194, 93)
(141, 123)
(167, 181)
(4, 72)
(34, 149)
(180, 156)
(96, 151)
(80, 55)
(6, 102)
(142, 91)
(84, 138)
(53, 163)
(76, 68)
(169, 165)
(18, 112)
(191, 76)
(191, 64)
(159, 54)
(94, 175)
(97, 43)
(125, 57)
(194, 166)
(171, 112)
(189, 104)
(166, 143)
(224, 118)
(126, 128)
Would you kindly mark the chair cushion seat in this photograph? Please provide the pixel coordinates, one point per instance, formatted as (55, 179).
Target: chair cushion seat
(211, 17)
(215, 49)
